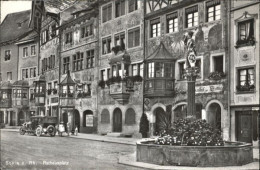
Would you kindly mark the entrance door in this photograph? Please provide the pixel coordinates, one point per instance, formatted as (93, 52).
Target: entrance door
(244, 126)
(21, 119)
(117, 120)
(12, 123)
(65, 118)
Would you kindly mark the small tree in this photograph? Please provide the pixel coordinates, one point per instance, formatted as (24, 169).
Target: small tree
(144, 126)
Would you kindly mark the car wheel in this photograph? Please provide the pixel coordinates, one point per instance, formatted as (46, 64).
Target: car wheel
(38, 131)
(51, 130)
(22, 131)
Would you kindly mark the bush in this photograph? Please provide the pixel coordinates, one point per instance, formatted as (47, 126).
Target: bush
(190, 133)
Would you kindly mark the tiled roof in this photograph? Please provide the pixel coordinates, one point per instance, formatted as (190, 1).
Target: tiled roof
(10, 29)
(31, 36)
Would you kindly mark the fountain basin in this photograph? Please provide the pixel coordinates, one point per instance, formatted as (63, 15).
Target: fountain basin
(231, 154)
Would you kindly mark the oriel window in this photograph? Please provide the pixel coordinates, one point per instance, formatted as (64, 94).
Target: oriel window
(151, 70)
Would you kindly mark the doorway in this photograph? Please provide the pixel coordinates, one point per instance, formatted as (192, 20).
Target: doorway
(244, 126)
(117, 120)
(214, 115)
(162, 120)
(21, 118)
(65, 118)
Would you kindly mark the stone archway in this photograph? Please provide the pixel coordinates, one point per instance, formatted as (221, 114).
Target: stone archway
(179, 111)
(117, 120)
(21, 118)
(76, 122)
(161, 120)
(214, 115)
(88, 121)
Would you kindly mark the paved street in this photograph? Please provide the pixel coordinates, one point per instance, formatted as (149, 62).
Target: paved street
(31, 152)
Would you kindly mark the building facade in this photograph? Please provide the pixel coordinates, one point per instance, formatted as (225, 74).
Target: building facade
(244, 71)
(78, 69)
(14, 102)
(120, 91)
(165, 90)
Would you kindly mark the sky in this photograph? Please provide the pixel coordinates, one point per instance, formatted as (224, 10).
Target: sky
(14, 6)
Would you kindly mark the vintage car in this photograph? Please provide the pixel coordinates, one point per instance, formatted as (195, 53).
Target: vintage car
(40, 125)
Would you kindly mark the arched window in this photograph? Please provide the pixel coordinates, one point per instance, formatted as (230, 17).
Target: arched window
(105, 117)
(130, 116)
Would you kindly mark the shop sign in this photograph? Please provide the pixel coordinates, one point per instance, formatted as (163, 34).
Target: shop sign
(89, 120)
(209, 89)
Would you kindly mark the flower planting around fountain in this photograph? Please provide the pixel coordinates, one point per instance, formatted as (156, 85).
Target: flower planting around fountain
(193, 143)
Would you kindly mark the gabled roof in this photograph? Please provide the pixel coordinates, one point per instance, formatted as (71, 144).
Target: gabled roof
(9, 28)
(161, 53)
(68, 80)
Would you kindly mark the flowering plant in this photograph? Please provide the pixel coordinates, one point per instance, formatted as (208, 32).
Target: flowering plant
(190, 133)
(216, 75)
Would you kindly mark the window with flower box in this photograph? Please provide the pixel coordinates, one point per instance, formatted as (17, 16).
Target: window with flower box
(25, 52)
(213, 10)
(119, 8)
(78, 62)
(66, 64)
(90, 58)
(134, 37)
(191, 16)
(106, 45)
(132, 5)
(87, 31)
(155, 27)
(106, 13)
(246, 79)
(68, 38)
(172, 22)
(246, 32)
(7, 55)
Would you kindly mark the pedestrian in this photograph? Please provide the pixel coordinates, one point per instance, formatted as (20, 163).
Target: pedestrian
(68, 128)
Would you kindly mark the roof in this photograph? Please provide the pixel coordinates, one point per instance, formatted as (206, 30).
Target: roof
(76, 8)
(41, 78)
(9, 28)
(22, 83)
(161, 53)
(6, 85)
(68, 80)
(30, 37)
